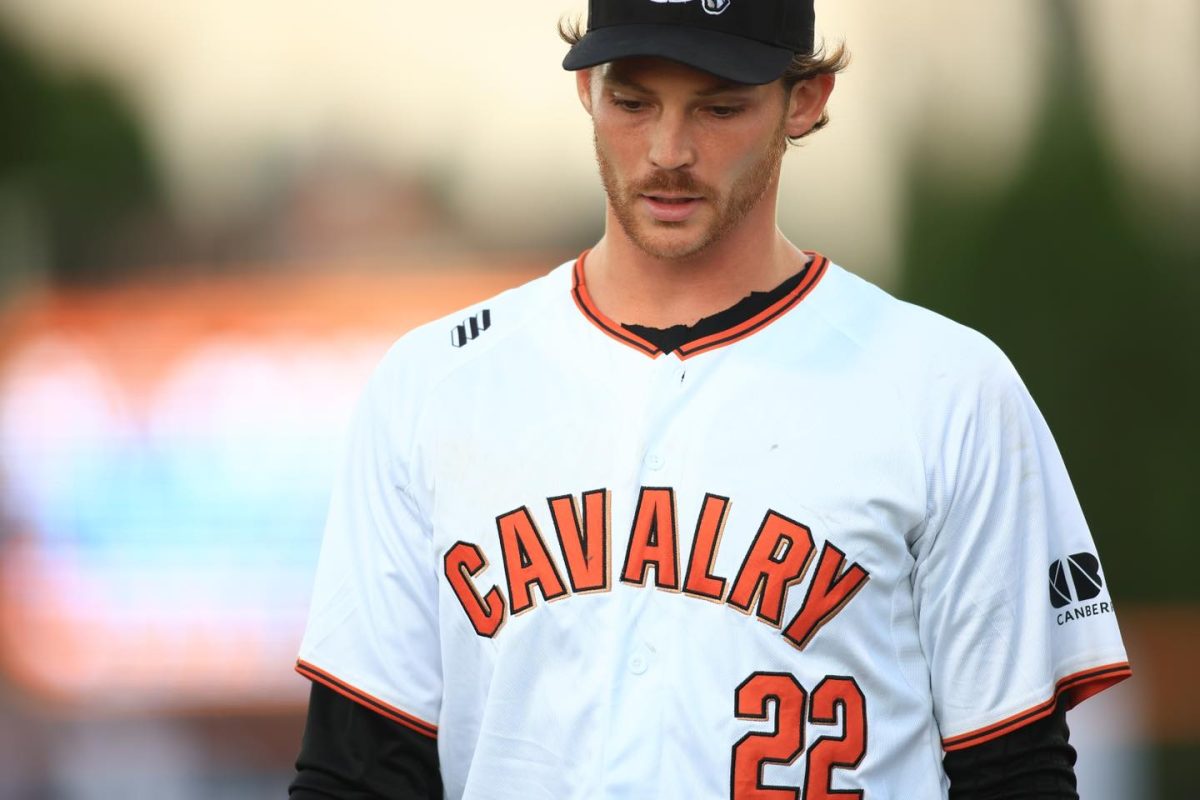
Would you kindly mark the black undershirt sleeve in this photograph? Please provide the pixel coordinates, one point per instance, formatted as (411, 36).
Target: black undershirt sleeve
(1034, 762)
(350, 752)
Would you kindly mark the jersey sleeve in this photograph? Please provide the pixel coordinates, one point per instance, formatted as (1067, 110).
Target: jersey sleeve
(372, 629)
(1013, 609)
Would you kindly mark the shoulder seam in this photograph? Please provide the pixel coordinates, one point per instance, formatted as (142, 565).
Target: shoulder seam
(467, 359)
(916, 440)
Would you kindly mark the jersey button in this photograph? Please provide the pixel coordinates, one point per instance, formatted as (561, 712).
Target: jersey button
(639, 662)
(655, 461)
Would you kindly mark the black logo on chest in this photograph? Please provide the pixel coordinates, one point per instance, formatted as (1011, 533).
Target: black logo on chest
(471, 328)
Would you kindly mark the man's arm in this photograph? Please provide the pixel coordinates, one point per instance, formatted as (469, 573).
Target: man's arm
(350, 752)
(1034, 762)
(371, 646)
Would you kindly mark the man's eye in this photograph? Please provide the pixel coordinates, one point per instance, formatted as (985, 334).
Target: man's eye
(628, 105)
(724, 112)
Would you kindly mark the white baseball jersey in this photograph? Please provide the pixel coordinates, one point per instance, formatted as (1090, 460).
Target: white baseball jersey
(797, 558)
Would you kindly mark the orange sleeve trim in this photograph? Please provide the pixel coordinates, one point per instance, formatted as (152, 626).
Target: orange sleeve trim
(362, 698)
(1076, 688)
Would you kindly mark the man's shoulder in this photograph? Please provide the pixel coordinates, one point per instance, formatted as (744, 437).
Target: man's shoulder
(419, 367)
(469, 334)
(943, 377)
(906, 337)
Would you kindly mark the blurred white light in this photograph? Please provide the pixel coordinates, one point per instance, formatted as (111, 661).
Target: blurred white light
(166, 534)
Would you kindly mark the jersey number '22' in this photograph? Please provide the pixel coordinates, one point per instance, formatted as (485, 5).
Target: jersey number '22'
(785, 743)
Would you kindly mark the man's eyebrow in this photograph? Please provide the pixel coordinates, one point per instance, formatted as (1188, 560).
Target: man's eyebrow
(614, 78)
(723, 88)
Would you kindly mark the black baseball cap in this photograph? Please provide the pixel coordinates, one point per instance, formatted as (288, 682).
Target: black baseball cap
(745, 41)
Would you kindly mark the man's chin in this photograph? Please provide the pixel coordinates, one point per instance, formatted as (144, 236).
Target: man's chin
(669, 241)
(671, 248)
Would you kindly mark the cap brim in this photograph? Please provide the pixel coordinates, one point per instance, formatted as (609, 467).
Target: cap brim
(730, 57)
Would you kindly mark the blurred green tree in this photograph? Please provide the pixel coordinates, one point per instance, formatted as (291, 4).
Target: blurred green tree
(1097, 315)
(73, 157)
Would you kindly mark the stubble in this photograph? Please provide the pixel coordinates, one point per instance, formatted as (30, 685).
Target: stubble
(731, 209)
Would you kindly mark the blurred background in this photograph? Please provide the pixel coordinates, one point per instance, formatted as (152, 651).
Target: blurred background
(216, 216)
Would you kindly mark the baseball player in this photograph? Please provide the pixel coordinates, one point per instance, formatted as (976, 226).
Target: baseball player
(700, 514)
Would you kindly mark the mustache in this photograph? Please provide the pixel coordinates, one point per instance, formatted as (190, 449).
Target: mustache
(672, 181)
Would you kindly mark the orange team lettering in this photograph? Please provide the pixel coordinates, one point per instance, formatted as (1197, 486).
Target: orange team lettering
(779, 557)
(527, 562)
(711, 524)
(584, 545)
(653, 541)
(487, 614)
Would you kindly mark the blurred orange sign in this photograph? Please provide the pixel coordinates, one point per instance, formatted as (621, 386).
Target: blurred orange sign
(166, 455)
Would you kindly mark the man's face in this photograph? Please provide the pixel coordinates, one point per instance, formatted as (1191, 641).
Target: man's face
(684, 156)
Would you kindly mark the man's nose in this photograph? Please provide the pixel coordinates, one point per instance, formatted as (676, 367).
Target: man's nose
(672, 146)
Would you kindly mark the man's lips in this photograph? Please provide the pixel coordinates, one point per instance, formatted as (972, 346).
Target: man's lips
(671, 208)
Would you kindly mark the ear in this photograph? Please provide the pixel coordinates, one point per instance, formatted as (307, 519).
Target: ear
(583, 85)
(806, 103)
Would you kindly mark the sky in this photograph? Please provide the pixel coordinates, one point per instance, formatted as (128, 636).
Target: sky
(470, 96)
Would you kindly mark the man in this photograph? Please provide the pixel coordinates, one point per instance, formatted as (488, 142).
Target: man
(700, 515)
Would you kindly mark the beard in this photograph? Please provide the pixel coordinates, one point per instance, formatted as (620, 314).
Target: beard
(730, 208)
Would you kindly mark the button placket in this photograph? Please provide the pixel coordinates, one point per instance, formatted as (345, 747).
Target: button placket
(641, 659)
(665, 400)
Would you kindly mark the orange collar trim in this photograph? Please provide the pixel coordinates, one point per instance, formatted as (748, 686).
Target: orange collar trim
(815, 271)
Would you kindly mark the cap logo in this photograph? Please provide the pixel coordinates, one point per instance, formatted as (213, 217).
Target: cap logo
(713, 7)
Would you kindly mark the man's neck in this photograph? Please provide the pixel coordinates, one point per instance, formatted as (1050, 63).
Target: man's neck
(631, 286)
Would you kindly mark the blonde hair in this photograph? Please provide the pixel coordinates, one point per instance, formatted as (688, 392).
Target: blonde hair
(804, 66)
